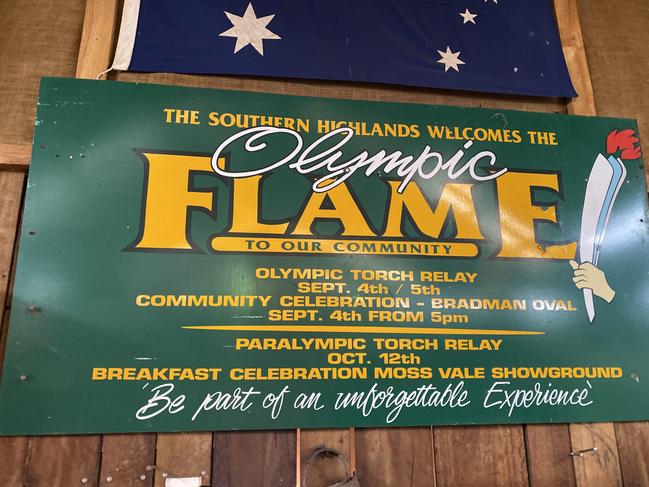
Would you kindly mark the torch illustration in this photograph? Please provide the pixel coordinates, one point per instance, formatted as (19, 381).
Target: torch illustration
(604, 183)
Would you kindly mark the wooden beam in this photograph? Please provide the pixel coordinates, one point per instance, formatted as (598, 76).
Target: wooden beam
(480, 455)
(548, 455)
(183, 455)
(62, 461)
(11, 188)
(97, 38)
(256, 458)
(396, 457)
(14, 451)
(50, 461)
(15, 156)
(127, 460)
(633, 448)
(575, 54)
(600, 467)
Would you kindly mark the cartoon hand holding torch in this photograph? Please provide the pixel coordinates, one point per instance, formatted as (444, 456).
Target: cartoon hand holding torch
(587, 276)
(606, 179)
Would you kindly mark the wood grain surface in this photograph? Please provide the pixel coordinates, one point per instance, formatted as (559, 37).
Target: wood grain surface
(15, 157)
(127, 460)
(264, 459)
(181, 455)
(98, 38)
(480, 455)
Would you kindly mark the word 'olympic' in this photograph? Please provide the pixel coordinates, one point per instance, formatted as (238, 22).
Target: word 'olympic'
(313, 158)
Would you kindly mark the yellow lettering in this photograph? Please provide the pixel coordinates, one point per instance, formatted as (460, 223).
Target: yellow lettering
(518, 215)
(344, 209)
(455, 196)
(245, 208)
(168, 198)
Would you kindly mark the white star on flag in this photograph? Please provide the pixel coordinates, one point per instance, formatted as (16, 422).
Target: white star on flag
(450, 59)
(468, 16)
(249, 30)
(495, 1)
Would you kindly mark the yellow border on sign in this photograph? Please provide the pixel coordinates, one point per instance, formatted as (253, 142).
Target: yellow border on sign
(359, 329)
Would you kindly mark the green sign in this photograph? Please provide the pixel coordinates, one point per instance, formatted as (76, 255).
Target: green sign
(200, 260)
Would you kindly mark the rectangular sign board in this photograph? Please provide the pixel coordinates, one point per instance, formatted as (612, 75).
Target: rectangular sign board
(200, 260)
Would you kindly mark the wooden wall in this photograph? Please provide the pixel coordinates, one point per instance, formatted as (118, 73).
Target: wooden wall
(68, 38)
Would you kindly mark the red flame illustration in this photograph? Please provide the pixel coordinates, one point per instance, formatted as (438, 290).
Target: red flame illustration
(624, 141)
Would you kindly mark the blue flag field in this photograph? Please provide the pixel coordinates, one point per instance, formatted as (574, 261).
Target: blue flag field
(495, 46)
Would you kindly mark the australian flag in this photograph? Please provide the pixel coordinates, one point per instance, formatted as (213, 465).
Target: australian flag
(496, 46)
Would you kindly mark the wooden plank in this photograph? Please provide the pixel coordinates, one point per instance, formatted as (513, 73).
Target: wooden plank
(480, 455)
(596, 468)
(183, 455)
(575, 54)
(395, 456)
(14, 451)
(633, 449)
(49, 461)
(548, 455)
(127, 460)
(11, 188)
(98, 38)
(324, 471)
(259, 458)
(15, 156)
(62, 461)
